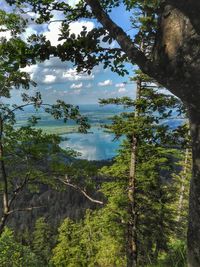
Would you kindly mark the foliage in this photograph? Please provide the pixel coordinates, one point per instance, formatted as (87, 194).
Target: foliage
(176, 256)
(42, 241)
(27, 154)
(181, 205)
(90, 48)
(13, 254)
(89, 242)
(34, 153)
(155, 158)
(67, 252)
(158, 149)
(14, 54)
(103, 233)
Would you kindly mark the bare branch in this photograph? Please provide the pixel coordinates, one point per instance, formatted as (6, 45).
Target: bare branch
(24, 209)
(82, 191)
(17, 191)
(57, 20)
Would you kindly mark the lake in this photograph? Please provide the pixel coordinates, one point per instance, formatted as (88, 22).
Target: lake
(96, 145)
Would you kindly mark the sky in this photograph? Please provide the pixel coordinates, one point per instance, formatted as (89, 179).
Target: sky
(59, 80)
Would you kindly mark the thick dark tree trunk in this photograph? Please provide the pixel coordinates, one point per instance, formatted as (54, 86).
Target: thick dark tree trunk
(194, 207)
(182, 54)
(178, 52)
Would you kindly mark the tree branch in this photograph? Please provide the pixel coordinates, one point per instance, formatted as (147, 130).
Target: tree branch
(17, 191)
(134, 54)
(24, 209)
(82, 191)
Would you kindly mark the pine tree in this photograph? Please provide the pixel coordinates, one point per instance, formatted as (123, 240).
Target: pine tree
(67, 252)
(148, 163)
(13, 253)
(181, 205)
(43, 241)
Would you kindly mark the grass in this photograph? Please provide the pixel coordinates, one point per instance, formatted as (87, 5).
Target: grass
(59, 129)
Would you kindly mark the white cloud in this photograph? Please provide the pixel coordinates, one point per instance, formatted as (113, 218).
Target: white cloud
(73, 2)
(55, 71)
(5, 6)
(105, 83)
(5, 34)
(113, 44)
(122, 90)
(53, 32)
(54, 63)
(76, 86)
(28, 32)
(30, 70)
(49, 88)
(73, 75)
(89, 85)
(77, 26)
(49, 78)
(77, 92)
(120, 85)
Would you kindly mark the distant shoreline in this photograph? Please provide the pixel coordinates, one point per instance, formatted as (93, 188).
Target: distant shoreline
(65, 129)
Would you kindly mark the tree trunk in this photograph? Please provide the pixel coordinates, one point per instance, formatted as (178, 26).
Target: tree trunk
(183, 186)
(4, 218)
(5, 203)
(132, 224)
(177, 52)
(194, 200)
(175, 64)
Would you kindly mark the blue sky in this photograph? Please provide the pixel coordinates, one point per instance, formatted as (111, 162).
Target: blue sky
(59, 80)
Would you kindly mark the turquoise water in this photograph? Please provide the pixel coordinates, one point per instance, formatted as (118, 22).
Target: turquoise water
(96, 145)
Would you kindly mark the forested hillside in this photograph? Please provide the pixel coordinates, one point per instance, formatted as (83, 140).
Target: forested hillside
(133, 209)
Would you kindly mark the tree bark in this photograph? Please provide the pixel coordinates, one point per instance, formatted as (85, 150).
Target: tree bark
(191, 9)
(178, 52)
(194, 199)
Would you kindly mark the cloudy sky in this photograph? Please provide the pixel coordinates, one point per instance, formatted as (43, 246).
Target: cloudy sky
(59, 80)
